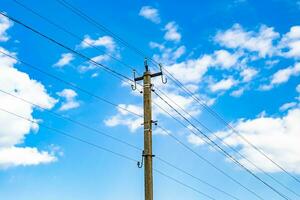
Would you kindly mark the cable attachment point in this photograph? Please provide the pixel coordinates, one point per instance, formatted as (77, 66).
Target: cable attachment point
(154, 122)
(133, 86)
(164, 79)
(140, 164)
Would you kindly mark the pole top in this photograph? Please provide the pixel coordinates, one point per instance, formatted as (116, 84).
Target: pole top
(146, 64)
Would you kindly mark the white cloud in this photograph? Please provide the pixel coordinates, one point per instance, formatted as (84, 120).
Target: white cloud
(238, 92)
(150, 13)
(126, 118)
(15, 156)
(283, 147)
(192, 70)
(225, 59)
(21, 85)
(224, 84)
(291, 42)
(287, 106)
(283, 75)
(167, 55)
(104, 41)
(91, 66)
(260, 42)
(298, 88)
(70, 99)
(5, 24)
(110, 47)
(248, 74)
(64, 60)
(195, 140)
(172, 33)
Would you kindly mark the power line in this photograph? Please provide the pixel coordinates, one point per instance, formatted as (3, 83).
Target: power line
(109, 70)
(78, 88)
(212, 143)
(175, 80)
(71, 136)
(70, 84)
(104, 149)
(242, 156)
(115, 139)
(201, 102)
(210, 163)
(90, 20)
(74, 121)
(196, 178)
(183, 184)
(72, 34)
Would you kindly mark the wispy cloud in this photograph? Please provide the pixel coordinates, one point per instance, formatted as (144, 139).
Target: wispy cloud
(70, 101)
(64, 60)
(172, 33)
(150, 13)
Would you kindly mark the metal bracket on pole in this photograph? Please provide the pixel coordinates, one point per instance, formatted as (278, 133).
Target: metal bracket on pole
(133, 86)
(140, 164)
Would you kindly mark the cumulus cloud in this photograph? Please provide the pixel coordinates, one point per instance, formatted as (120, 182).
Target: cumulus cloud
(237, 93)
(195, 140)
(284, 75)
(26, 156)
(70, 101)
(225, 59)
(195, 68)
(91, 66)
(64, 60)
(126, 118)
(287, 106)
(150, 13)
(298, 88)
(248, 74)
(172, 33)
(238, 38)
(224, 84)
(290, 42)
(167, 55)
(104, 41)
(283, 147)
(5, 24)
(21, 85)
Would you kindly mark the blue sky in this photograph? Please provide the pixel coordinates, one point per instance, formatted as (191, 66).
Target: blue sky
(241, 57)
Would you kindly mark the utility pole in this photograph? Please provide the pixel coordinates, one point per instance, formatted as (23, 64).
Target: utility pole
(147, 153)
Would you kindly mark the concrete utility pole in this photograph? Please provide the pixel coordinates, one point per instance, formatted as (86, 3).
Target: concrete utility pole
(147, 153)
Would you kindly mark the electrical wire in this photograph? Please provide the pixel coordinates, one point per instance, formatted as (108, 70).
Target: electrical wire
(196, 178)
(175, 80)
(115, 139)
(177, 140)
(183, 184)
(105, 149)
(236, 151)
(99, 26)
(73, 121)
(201, 102)
(70, 84)
(212, 143)
(71, 136)
(72, 34)
(109, 70)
